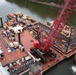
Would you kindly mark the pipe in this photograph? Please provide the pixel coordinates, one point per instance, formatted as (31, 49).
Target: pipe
(31, 56)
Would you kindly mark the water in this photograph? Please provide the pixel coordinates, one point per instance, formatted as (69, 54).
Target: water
(38, 12)
(63, 68)
(41, 13)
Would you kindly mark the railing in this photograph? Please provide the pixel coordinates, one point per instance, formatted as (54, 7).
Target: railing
(4, 41)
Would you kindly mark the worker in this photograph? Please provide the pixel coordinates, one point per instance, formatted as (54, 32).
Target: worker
(56, 42)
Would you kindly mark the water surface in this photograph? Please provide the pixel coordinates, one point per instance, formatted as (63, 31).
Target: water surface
(41, 13)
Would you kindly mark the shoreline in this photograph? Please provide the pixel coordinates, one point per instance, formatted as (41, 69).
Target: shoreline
(45, 3)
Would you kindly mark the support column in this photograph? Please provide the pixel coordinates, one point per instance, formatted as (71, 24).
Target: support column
(19, 39)
(1, 21)
(16, 18)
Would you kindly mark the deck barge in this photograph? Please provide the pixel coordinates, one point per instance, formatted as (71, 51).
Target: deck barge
(20, 53)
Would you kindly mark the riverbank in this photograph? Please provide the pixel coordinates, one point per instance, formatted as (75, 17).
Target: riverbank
(45, 3)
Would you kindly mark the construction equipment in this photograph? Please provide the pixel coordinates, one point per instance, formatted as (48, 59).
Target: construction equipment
(65, 12)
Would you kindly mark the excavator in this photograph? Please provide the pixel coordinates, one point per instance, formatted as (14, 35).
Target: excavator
(67, 9)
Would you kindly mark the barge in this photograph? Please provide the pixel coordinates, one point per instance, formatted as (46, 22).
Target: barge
(18, 40)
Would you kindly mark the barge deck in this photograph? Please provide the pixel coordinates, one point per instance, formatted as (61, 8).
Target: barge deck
(26, 40)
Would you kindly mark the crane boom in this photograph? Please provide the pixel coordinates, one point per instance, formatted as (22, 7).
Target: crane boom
(65, 12)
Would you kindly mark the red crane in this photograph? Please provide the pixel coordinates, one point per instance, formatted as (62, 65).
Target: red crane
(65, 12)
